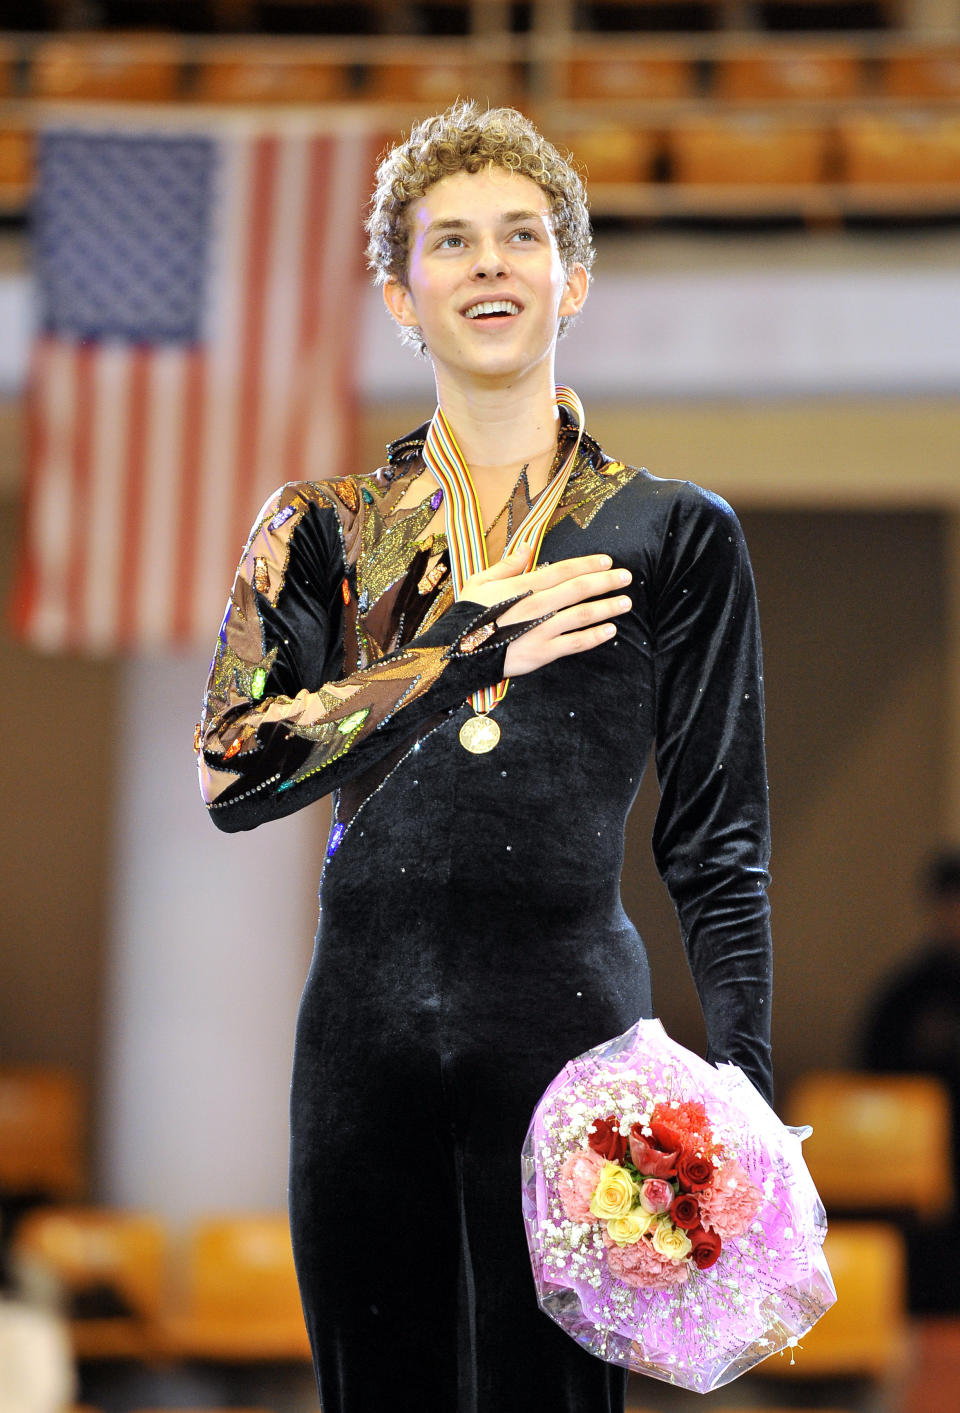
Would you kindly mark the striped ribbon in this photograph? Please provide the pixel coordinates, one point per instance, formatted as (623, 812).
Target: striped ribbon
(464, 525)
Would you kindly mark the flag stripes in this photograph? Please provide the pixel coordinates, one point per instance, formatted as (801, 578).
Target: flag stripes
(147, 460)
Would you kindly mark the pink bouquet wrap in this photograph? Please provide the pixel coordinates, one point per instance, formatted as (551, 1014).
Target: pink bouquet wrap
(672, 1223)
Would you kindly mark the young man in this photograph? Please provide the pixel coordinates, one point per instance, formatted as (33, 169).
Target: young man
(472, 937)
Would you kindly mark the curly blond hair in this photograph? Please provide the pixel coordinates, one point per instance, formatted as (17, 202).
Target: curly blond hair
(467, 138)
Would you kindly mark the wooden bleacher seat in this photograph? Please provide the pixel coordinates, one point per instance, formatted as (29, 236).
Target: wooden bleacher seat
(434, 77)
(620, 72)
(859, 1120)
(923, 73)
(108, 1269)
(41, 1119)
(865, 1334)
(241, 1300)
(240, 74)
(775, 72)
(125, 67)
(746, 149)
(612, 152)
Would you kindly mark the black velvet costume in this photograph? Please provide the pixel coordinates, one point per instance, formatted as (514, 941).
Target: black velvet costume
(472, 937)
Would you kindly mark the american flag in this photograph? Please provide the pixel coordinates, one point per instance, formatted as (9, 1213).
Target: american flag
(200, 289)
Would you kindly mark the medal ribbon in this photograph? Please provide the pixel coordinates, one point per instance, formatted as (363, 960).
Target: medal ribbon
(461, 509)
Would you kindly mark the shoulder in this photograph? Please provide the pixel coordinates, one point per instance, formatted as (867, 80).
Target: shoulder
(695, 538)
(297, 526)
(670, 500)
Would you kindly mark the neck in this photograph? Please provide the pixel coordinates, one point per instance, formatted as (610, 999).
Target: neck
(501, 427)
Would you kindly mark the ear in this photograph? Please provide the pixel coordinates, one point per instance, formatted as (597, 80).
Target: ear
(399, 302)
(575, 293)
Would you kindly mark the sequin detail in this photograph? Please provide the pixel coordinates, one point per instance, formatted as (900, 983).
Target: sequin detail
(233, 749)
(261, 575)
(345, 590)
(353, 721)
(347, 492)
(431, 579)
(367, 496)
(471, 641)
(258, 682)
(336, 839)
(281, 517)
(436, 500)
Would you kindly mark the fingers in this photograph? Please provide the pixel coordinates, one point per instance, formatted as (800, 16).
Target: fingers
(579, 594)
(546, 575)
(575, 629)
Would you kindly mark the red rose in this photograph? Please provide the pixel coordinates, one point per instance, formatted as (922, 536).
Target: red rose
(685, 1211)
(706, 1247)
(694, 1173)
(607, 1140)
(649, 1160)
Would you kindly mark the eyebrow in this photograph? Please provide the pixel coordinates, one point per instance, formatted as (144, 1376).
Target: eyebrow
(455, 223)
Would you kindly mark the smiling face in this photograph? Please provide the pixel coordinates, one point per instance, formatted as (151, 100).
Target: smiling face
(485, 283)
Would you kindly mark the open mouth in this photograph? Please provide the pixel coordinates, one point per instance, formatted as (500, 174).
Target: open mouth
(491, 309)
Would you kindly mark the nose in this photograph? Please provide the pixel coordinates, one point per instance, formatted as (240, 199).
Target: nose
(490, 262)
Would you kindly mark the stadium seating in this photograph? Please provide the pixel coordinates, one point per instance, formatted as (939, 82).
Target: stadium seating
(124, 67)
(859, 1121)
(239, 74)
(240, 1299)
(626, 73)
(106, 1268)
(930, 73)
(865, 1334)
(909, 148)
(746, 149)
(782, 72)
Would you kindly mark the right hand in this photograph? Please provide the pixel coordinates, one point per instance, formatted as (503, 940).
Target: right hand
(568, 590)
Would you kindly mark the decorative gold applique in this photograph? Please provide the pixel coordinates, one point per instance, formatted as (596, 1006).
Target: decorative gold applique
(270, 545)
(197, 735)
(390, 687)
(471, 641)
(590, 489)
(387, 548)
(432, 578)
(235, 677)
(348, 493)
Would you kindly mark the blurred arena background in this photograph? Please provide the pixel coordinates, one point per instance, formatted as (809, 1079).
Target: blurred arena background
(185, 322)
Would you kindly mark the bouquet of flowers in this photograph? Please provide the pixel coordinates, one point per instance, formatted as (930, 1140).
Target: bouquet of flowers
(672, 1224)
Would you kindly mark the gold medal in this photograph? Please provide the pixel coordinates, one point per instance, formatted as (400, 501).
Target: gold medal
(479, 734)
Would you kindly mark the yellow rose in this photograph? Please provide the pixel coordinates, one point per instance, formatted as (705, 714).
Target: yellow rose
(669, 1240)
(628, 1230)
(614, 1193)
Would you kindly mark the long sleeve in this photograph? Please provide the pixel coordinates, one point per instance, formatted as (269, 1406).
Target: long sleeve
(282, 725)
(711, 838)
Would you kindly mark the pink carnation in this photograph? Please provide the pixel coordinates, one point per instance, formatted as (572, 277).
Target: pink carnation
(578, 1182)
(731, 1201)
(639, 1265)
